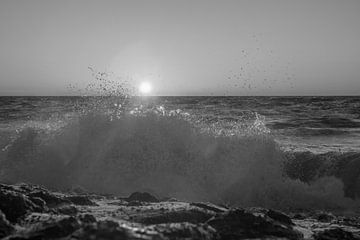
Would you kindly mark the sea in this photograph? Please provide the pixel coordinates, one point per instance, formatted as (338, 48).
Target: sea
(209, 148)
(316, 124)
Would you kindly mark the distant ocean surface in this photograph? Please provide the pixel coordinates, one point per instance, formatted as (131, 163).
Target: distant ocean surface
(316, 124)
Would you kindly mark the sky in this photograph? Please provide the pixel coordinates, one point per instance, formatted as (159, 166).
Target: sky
(187, 47)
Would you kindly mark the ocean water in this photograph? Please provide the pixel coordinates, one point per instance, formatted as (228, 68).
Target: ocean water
(316, 124)
(224, 149)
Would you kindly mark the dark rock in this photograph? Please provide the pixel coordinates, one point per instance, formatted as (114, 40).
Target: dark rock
(186, 215)
(324, 217)
(240, 224)
(173, 231)
(51, 199)
(351, 221)
(102, 230)
(5, 187)
(277, 216)
(334, 234)
(34, 218)
(5, 227)
(87, 218)
(41, 204)
(14, 204)
(299, 216)
(140, 217)
(142, 197)
(59, 228)
(54, 228)
(184, 231)
(28, 188)
(81, 200)
(66, 209)
(135, 204)
(280, 217)
(209, 206)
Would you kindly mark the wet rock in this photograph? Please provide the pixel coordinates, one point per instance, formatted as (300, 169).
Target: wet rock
(102, 230)
(280, 217)
(142, 197)
(40, 204)
(274, 215)
(81, 200)
(5, 227)
(67, 210)
(51, 199)
(241, 224)
(334, 234)
(27, 188)
(184, 231)
(209, 206)
(14, 204)
(5, 187)
(50, 229)
(350, 221)
(141, 217)
(59, 228)
(324, 217)
(112, 230)
(87, 218)
(34, 218)
(299, 216)
(192, 215)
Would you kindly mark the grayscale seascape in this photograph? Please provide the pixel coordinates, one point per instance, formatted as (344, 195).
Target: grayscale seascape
(179, 120)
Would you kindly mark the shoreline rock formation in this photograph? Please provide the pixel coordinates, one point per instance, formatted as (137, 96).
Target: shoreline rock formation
(32, 212)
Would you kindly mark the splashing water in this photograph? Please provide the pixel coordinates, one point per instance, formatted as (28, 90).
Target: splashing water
(124, 144)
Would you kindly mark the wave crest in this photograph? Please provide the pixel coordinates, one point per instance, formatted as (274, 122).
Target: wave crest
(168, 153)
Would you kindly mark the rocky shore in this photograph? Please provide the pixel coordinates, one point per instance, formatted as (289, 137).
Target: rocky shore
(33, 212)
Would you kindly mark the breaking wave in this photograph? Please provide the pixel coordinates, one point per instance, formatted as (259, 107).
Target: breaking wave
(120, 150)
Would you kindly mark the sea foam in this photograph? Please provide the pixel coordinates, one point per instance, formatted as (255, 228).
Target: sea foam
(117, 148)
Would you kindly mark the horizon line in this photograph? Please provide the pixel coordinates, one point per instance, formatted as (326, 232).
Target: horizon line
(350, 95)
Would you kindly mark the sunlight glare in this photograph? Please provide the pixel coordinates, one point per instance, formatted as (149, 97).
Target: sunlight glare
(145, 88)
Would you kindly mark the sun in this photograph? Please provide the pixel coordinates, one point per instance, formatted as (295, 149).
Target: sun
(145, 88)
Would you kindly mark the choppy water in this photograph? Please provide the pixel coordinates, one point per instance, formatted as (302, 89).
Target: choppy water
(225, 149)
(317, 124)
